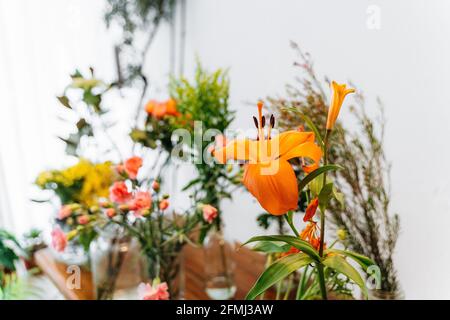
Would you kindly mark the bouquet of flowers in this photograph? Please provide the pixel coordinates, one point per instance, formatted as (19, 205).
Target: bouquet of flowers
(136, 209)
(270, 178)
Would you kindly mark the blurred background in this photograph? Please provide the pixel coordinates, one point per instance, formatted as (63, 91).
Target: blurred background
(394, 50)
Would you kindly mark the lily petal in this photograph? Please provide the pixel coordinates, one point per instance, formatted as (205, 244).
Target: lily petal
(291, 139)
(278, 192)
(306, 150)
(238, 150)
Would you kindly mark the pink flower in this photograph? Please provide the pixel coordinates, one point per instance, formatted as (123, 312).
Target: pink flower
(132, 166)
(59, 240)
(164, 204)
(64, 212)
(156, 292)
(141, 201)
(119, 192)
(84, 219)
(110, 212)
(209, 213)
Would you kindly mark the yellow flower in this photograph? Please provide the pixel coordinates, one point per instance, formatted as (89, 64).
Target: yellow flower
(339, 93)
(85, 182)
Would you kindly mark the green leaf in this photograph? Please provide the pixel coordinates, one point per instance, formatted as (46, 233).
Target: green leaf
(278, 271)
(325, 196)
(362, 260)
(271, 247)
(191, 183)
(316, 173)
(312, 126)
(339, 264)
(293, 241)
(339, 196)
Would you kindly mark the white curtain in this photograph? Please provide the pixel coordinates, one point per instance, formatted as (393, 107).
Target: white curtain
(41, 43)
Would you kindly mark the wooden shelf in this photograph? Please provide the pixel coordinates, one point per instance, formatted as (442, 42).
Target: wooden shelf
(248, 267)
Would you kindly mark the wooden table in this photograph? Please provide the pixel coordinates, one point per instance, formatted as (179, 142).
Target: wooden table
(249, 265)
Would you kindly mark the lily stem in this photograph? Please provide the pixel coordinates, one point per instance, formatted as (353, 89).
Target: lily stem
(323, 288)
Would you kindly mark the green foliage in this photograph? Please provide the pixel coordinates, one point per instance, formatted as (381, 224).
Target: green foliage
(205, 99)
(334, 262)
(292, 241)
(339, 264)
(8, 248)
(91, 91)
(277, 271)
(138, 19)
(136, 15)
(11, 288)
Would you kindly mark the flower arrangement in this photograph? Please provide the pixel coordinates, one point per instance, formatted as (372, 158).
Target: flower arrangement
(365, 215)
(140, 211)
(205, 101)
(270, 178)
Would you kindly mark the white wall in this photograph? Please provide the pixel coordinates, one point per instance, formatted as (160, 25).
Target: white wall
(405, 62)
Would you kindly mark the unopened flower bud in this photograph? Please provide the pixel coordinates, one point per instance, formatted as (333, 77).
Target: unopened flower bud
(155, 186)
(342, 234)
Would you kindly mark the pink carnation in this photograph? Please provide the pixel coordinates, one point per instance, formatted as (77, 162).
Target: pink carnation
(84, 219)
(141, 201)
(59, 240)
(209, 213)
(156, 292)
(119, 192)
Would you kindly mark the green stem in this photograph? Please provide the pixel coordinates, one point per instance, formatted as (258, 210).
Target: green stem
(288, 289)
(321, 275)
(277, 297)
(289, 221)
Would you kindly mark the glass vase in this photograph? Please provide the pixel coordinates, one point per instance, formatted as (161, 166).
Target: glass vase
(219, 266)
(117, 265)
(167, 264)
(73, 253)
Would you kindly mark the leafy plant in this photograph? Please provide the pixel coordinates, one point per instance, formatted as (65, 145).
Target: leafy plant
(9, 250)
(366, 216)
(205, 101)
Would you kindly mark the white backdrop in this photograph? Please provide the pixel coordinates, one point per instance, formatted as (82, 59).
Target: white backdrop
(405, 62)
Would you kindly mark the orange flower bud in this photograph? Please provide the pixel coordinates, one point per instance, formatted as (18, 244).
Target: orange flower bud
(339, 93)
(164, 204)
(311, 209)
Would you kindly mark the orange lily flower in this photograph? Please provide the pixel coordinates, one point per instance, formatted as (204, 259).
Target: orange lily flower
(268, 175)
(311, 209)
(310, 234)
(339, 93)
(160, 109)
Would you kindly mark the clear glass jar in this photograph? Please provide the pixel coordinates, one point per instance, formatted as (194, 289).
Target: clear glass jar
(73, 253)
(168, 266)
(117, 265)
(219, 266)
